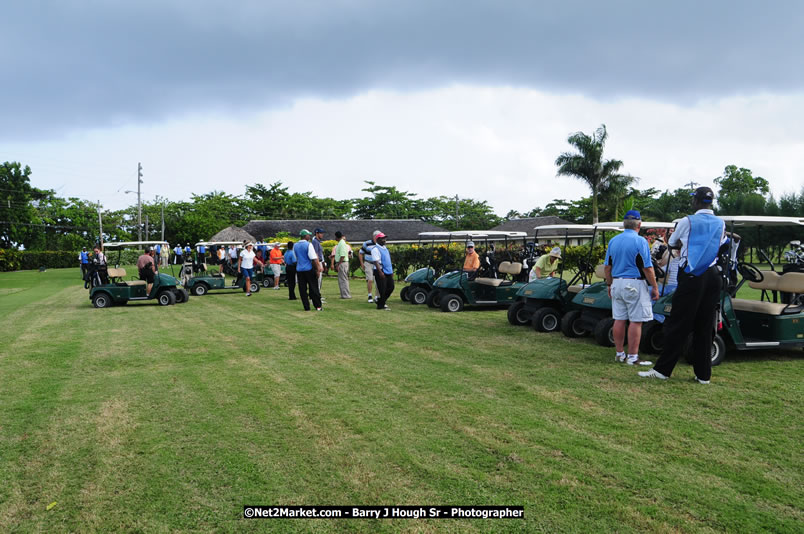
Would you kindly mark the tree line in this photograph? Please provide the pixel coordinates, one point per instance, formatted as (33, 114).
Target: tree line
(39, 219)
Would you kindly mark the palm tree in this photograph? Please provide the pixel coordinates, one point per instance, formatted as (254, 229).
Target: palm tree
(588, 163)
(615, 193)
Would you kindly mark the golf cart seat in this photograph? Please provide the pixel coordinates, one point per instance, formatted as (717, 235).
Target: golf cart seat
(770, 281)
(575, 289)
(600, 272)
(121, 273)
(506, 267)
(787, 282)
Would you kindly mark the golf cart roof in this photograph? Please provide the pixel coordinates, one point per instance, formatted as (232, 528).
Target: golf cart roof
(761, 220)
(215, 243)
(578, 227)
(646, 225)
(132, 244)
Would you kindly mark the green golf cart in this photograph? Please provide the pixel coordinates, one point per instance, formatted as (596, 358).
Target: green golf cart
(744, 324)
(265, 276)
(543, 302)
(592, 305)
(199, 280)
(421, 281)
(121, 290)
(498, 279)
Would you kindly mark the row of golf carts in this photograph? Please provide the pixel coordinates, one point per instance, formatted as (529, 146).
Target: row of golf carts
(117, 287)
(575, 304)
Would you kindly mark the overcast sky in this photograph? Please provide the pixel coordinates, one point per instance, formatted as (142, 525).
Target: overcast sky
(472, 98)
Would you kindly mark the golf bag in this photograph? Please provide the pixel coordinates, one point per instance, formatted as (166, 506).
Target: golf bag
(95, 275)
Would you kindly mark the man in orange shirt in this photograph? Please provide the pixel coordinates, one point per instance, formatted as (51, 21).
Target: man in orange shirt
(472, 262)
(276, 260)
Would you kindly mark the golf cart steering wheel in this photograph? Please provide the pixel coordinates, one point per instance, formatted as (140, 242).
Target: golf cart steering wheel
(750, 272)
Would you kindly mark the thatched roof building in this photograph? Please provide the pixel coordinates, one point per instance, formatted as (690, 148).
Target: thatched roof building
(233, 233)
(355, 230)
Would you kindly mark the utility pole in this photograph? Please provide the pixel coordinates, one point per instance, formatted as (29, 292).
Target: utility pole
(147, 233)
(163, 220)
(100, 225)
(456, 212)
(691, 184)
(139, 202)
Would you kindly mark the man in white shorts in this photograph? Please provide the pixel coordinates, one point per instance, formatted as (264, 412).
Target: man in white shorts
(629, 272)
(366, 262)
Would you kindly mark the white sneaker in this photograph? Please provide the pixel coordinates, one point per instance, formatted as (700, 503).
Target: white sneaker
(701, 381)
(652, 373)
(371, 300)
(619, 359)
(639, 362)
(386, 307)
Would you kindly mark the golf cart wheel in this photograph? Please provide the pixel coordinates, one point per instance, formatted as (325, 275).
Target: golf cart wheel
(517, 314)
(267, 282)
(182, 295)
(200, 289)
(571, 325)
(433, 299)
(718, 352)
(405, 293)
(546, 320)
(417, 296)
(255, 287)
(652, 340)
(451, 303)
(166, 298)
(604, 332)
(101, 300)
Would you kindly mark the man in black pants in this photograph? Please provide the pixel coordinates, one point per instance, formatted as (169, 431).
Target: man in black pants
(384, 271)
(699, 237)
(290, 271)
(307, 269)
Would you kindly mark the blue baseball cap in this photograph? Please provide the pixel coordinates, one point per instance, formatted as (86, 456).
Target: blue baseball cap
(632, 215)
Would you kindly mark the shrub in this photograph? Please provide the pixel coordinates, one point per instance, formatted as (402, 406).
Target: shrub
(10, 259)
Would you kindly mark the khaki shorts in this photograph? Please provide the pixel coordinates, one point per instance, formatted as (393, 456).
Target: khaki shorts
(276, 268)
(369, 274)
(630, 299)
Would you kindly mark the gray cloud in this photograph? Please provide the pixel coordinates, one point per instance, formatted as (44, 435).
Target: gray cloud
(86, 63)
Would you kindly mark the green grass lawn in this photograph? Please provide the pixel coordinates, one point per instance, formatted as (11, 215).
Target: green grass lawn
(152, 419)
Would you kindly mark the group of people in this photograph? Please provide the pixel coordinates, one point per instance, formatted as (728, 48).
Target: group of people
(693, 252)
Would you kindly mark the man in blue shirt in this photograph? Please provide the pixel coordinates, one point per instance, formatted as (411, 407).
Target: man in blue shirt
(290, 271)
(695, 301)
(83, 259)
(628, 268)
(307, 269)
(178, 255)
(366, 265)
(383, 270)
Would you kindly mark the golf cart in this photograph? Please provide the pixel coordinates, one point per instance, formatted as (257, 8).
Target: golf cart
(422, 279)
(266, 276)
(746, 324)
(120, 291)
(592, 305)
(496, 282)
(199, 281)
(543, 302)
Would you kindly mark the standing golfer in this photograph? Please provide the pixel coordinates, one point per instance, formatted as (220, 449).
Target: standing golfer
(307, 269)
(628, 268)
(290, 271)
(699, 237)
(366, 265)
(384, 271)
(83, 261)
(178, 252)
(343, 252)
(319, 250)
(147, 269)
(245, 266)
(276, 261)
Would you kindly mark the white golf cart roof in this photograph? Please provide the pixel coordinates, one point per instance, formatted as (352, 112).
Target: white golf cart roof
(761, 220)
(579, 227)
(133, 244)
(218, 243)
(646, 225)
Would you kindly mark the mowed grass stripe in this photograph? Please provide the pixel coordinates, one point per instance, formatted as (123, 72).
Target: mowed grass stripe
(175, 417)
